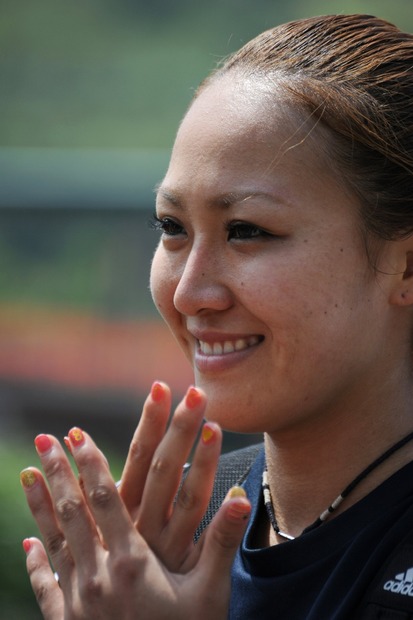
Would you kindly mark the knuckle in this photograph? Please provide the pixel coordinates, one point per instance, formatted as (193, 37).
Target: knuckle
(68, 508)
(55, 544)
(54, 468)
(126, 569)
(226, 540)
(138, 451)
(41, 592)
(160, 465)
(187, 500)
(182, 423)
(91, 588)
(33, 567)
(101, 496)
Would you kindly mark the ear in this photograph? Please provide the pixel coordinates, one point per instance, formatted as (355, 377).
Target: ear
(402, 292)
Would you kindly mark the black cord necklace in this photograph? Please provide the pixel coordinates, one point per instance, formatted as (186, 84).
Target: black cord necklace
(336, 503)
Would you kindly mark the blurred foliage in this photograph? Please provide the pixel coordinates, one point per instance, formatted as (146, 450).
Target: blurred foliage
(121, 72)
(95, 261)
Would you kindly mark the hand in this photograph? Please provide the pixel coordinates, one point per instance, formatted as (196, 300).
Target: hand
(107, 568)
(144, 469)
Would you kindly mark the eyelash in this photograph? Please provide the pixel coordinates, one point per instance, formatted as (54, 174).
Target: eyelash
(236, 230)
(166, 225)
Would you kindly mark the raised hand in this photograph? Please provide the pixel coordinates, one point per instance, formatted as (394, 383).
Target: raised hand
(133, 558)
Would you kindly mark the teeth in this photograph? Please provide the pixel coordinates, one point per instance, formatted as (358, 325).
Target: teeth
(229, 346)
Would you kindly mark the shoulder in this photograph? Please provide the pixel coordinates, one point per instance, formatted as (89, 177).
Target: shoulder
(233, 469)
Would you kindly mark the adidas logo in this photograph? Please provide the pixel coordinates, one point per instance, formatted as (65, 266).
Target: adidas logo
(401, 584)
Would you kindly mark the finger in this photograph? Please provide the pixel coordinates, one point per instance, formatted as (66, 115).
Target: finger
(149, 433)
(193, 499)
(107, 508)
(41, 506)
(165, 473)
(71, 510)
(223, 537)
(45, 587)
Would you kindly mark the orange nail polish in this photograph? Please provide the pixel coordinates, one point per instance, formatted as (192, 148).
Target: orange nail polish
(157, 392)
(43, 444)
(27, 545)
(76, 437)
(208, 434)
(28, 478)
(193, 398)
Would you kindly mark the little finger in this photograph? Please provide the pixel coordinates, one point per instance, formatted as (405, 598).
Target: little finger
(41, 506)
(45, 587)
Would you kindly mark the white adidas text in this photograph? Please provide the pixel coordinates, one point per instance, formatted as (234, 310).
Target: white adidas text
(401, 584)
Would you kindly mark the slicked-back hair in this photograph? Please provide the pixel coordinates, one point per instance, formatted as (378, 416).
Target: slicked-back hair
(353, 74)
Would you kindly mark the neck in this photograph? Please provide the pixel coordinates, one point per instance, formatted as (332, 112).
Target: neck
(309, 467)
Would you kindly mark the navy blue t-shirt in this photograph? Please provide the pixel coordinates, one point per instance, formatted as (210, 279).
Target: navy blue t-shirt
(324, 574)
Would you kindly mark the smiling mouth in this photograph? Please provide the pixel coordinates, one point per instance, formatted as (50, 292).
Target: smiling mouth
(228, 346)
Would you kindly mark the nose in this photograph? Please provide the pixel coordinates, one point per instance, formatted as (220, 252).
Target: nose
(203, 283)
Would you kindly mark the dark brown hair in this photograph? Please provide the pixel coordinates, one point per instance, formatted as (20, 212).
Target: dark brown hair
(354, 74)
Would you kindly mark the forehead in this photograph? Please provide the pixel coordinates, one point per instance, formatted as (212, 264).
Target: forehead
(245, 127)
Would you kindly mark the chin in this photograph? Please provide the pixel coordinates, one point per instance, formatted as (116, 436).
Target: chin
(232, 418)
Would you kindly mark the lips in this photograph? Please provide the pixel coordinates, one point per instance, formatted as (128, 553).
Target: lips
(227, 346)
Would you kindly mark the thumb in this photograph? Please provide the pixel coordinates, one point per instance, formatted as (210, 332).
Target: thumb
(224, 535)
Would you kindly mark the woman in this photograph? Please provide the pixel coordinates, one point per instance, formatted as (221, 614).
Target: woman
(285, 271)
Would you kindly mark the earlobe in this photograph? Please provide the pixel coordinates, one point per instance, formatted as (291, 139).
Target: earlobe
(402, 294)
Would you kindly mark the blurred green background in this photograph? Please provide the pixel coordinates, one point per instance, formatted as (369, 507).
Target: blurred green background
(92, 92)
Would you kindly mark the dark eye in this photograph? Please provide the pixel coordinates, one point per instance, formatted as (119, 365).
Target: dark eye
(166, 225)
(244, 230)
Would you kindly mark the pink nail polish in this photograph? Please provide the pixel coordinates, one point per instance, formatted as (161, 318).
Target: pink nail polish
(27, 545)
(43, 444)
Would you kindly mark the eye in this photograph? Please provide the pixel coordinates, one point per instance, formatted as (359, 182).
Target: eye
(244, 230)
(167, 226)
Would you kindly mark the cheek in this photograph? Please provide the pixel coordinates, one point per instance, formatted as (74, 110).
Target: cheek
(162, 284)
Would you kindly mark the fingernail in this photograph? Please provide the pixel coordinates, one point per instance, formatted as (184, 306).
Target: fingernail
(208, 434)
(43, 444)
(27, 545)
(239, 510)
(76, 437)
(193, 398)
(236, 491)
(28, 478)
(68, 444)
(157, 391)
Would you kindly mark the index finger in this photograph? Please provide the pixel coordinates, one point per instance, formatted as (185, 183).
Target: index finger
(148, 435)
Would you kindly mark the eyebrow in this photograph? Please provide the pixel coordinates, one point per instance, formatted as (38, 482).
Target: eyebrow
(222, 200)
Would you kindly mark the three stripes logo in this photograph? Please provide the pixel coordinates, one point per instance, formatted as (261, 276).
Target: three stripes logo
(401, 584)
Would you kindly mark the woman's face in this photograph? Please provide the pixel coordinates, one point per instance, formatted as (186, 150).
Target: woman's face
(261, 271)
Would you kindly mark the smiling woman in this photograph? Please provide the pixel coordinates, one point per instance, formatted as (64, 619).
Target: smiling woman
(232, 270)
(285, 272)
